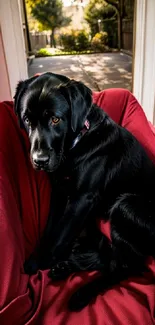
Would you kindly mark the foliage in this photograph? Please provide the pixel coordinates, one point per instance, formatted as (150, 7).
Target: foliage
(34, 25)
(82, 40)
(109, 10)
(75, 40)
(49, 13)
(129, 8)
(110, 26)
(45, 52)
(68, 40)
(124, 8)
(115, 3)
(99, 41)
(95, 10)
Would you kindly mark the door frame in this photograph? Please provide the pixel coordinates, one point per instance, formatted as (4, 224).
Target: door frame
(144, 57)
(13, 41)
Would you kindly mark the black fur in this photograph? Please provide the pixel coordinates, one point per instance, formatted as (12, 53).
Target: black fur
(106, 174)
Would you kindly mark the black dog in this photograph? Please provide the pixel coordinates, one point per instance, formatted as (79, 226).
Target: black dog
(99, 169)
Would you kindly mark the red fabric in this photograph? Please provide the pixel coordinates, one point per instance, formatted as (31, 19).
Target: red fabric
(24, 205)
(125, 110)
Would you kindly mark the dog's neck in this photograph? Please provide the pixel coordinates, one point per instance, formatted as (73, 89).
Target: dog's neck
(80, 135)
(94, 118)
(73, 148)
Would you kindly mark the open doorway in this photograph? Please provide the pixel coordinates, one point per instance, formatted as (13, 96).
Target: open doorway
(93, 42)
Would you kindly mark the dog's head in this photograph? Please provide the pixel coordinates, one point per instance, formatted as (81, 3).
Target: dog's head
(53, 109)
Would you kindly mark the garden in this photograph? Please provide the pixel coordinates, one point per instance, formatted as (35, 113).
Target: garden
(52, 30)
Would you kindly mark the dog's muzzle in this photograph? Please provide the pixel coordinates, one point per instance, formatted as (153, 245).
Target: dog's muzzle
(40, 160)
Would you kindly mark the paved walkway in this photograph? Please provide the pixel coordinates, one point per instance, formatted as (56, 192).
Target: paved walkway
(98, 71)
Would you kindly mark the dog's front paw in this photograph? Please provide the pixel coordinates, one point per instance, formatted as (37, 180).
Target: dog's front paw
(60, 271)
(80, 299)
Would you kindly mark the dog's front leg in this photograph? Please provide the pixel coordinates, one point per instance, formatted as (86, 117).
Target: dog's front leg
(77, 211)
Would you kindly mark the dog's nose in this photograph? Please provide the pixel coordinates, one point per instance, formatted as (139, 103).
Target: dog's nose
(41, 161)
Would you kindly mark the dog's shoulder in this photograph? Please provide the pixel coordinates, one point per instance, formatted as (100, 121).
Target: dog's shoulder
(106, 136)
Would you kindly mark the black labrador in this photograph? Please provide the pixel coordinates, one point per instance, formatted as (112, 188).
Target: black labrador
(97, 168)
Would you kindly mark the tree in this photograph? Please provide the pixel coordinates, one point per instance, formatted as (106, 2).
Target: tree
(119, 7)
(98, 10)
(129, 8)
(32, 22)
(50, 14)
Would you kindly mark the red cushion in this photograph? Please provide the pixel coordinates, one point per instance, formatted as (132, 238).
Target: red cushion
(24, 205)
(124, 109)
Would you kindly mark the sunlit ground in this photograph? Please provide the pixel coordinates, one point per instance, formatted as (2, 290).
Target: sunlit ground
(98, 71)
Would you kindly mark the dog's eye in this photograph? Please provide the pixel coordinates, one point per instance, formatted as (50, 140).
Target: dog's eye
(26, 120)
(55, 120)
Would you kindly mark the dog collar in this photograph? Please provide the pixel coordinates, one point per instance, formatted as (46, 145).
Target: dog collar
(80, 135)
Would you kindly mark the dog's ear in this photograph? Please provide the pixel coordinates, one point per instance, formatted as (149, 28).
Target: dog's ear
(18, 94)
(80, 98)
(17, 99)
(20, 90)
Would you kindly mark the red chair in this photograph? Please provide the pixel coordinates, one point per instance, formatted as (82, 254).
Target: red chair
(24, 205)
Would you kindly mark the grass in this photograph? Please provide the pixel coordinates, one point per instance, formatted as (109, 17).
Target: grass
(57, 52)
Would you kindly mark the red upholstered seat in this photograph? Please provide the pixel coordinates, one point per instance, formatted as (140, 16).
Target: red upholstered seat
(24, 204)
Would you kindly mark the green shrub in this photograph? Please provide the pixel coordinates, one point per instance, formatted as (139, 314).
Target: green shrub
(111, 27)
(75, 40)
(68, 41)
(99, 41)
(43, 52)
(82, 40)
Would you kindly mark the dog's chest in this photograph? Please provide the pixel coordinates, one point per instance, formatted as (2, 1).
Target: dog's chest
(65, 186)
